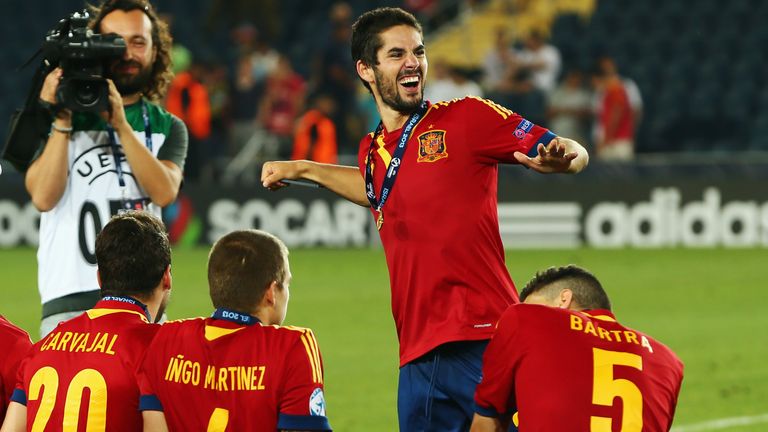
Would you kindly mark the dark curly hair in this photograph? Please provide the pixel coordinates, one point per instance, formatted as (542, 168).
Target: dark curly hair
(162, 73)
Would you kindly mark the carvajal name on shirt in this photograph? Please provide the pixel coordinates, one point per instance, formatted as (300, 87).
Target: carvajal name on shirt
(80, 342)
(626, 336)
(219, 378)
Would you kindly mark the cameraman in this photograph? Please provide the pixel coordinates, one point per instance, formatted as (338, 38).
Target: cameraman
(94, 166)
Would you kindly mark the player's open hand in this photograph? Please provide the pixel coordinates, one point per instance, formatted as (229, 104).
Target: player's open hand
(273, 173)
(550, 159)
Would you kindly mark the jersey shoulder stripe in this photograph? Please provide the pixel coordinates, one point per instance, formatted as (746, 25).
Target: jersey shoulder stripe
(313, 351)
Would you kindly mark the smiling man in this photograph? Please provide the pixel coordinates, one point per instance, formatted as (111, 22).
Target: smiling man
(439, 226)
(97, 164)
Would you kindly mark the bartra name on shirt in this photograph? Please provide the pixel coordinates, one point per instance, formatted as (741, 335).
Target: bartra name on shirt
(219, 378)
(626, 336)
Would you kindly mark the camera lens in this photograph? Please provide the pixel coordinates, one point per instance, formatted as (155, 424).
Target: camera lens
(87, 94)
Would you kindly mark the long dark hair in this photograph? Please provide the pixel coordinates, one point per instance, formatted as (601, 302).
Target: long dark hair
(162, 74)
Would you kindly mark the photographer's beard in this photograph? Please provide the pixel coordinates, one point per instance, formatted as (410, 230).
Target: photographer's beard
(126, 80)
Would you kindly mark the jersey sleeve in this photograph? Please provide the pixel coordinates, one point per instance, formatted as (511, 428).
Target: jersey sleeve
(495, 395)
(175, 146)
(148, 400)
(302, 402)
(19, 394)
(11, 366)
(502, 132)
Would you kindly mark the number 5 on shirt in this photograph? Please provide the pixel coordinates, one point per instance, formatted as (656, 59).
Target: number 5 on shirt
(605, 388)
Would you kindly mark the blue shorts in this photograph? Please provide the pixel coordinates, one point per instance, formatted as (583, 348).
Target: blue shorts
(436, 391)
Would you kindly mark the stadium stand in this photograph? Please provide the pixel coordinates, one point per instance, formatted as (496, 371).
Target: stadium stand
(700, 65)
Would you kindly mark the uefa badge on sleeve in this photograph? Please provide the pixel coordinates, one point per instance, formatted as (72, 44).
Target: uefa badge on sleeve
(317, 403)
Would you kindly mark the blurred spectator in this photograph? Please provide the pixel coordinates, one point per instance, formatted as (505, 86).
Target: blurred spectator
(521, 95)
(315, 137)
(215, 81)
(424, 10)
(188, 100)
(497, 61)
(181, 56)
(246, 93)
(541, 59)
(450, 82)
(614, 126)
(230, 13)
(569, 107)
(528, 98)
(281, 105)
(334, 73)
(633, 91)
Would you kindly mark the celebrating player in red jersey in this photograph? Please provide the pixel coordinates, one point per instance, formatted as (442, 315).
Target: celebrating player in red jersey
(238, 370)
(439, 225)
(83, 374)
(569, 366)
(15, 343)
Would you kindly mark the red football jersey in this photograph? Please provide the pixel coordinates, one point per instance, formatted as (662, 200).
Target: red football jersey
(440, 233)
(207, 372)
(577, 371)
(15, 343)
(83, 374)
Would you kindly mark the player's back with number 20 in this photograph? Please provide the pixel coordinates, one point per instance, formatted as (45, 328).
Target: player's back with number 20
(82, 376)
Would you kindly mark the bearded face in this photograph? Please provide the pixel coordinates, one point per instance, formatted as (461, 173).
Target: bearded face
(389, 89)
(130, 76)
(132, 73)
(400, 69)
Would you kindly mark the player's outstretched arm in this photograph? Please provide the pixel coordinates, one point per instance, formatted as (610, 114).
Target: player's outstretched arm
(488, 424)
(345, 181)
(154, 421)
(561, 155)
(15, 418)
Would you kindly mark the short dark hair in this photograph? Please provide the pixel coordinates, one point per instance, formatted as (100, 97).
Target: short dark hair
(241, 265)
(366, 39)
(132, 254)
(162, 73)
(588, 293)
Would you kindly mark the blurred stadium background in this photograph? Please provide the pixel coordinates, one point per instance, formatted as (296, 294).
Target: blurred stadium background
(678, 235)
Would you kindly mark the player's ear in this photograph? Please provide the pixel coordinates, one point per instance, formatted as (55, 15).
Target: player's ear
(565, 299)
(167, 279)
(269, 294)
(365, 72)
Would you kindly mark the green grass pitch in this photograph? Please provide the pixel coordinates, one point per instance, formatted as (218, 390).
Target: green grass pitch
(707, 305)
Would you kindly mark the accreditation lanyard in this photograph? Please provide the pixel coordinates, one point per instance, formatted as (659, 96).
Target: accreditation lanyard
(389, 180)
(130, 300)
(116, 148)
(234, 316)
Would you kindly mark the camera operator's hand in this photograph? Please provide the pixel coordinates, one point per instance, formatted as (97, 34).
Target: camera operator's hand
(48, 96)
(116, 114)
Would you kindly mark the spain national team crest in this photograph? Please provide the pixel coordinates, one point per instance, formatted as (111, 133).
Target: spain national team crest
(432, 146)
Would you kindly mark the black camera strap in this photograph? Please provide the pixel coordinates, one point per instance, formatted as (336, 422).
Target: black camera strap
(116, 149)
